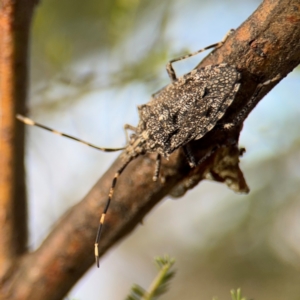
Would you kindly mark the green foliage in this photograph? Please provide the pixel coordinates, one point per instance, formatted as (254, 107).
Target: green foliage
(70, 35)
(68, 32)
(237, 295)
(159, 285)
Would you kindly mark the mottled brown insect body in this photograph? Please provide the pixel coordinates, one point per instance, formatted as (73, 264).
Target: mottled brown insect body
(186, 109)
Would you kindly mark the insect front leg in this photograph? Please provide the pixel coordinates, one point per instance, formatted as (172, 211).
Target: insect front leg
(170, 68)
(156, 93)
(129, 127)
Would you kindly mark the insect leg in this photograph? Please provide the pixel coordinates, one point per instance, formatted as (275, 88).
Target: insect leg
(129, 127)
(111, 192)
(157, 92)
(207, 155)
(32, 123)
(189, 156)
(157, 167)
(169, 66)
(252, 102)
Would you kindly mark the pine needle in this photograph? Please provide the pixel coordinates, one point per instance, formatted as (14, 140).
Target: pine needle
(159, 285)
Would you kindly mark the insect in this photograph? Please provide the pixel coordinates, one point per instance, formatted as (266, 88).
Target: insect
(185, 110)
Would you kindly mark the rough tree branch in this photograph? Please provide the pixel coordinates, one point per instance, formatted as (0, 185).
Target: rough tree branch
(15, 19)
(262, 47)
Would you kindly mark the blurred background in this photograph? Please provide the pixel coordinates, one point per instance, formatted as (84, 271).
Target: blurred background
(92, 63)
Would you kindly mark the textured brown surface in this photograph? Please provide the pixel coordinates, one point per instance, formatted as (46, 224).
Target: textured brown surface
(15, 19)
(188, 108)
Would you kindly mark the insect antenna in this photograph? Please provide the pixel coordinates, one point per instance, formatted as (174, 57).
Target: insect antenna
(111, 192)
(30, 122)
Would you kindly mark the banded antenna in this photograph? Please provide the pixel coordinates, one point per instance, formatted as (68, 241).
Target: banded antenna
(30, 122)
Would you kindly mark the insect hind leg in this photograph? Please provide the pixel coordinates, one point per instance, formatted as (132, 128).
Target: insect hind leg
(170, 68)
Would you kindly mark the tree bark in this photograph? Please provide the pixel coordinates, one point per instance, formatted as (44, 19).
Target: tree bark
(15, 17)
(265, 45)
